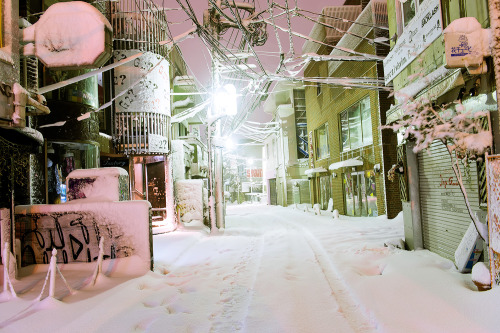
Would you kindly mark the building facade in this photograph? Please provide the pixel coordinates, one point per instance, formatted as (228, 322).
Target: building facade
(349, 153)
(433, 205)
(285, 152)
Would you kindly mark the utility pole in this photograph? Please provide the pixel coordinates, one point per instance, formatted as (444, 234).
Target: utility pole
(217, 22)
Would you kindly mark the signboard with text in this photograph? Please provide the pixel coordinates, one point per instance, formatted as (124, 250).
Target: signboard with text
(422, 30)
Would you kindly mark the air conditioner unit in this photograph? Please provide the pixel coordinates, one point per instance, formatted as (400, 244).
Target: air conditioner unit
(467, 45)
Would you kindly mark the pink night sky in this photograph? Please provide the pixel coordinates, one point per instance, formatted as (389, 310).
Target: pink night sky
(197, 56)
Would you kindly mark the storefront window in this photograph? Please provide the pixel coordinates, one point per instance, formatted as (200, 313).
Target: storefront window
(321, 135)
(356, 125)
(64, 157)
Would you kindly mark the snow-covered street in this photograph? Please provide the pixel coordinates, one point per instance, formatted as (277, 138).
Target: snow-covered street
(273, 269)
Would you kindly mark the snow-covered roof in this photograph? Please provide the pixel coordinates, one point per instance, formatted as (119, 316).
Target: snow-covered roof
(315, 170)
(373, 14)
(346, 163)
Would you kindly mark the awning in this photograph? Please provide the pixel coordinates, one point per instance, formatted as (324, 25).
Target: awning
(347, 163)
(429, 87)
(315, 170)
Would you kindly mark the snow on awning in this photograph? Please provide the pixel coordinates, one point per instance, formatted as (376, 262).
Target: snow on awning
(347, 163)
(315, 170)
(432, 85)
(429, 87)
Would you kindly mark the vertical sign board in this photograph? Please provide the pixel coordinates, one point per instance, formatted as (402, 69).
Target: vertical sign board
(311, 150)
(469, 250)
(493, 181)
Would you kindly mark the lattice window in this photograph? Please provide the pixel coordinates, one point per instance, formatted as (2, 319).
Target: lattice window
(481, 173)
(403, 177)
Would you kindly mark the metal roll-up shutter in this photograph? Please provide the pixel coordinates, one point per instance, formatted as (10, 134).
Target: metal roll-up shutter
(305, 191)
(445, 218)
(289, 192)
(273, 196)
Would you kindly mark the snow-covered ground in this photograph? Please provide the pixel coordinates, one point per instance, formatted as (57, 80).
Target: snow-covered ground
(273, 269)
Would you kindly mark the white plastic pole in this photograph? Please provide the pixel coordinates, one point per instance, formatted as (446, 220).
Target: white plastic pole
(101, 255)
(52, 269)
(6, 264)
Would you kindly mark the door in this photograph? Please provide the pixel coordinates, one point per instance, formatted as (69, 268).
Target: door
(350, 197)
(360, 193)
(156, 187)
(273, 196)
(324, 194)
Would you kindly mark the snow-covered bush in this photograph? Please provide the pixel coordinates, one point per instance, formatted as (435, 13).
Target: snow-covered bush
(461, 132)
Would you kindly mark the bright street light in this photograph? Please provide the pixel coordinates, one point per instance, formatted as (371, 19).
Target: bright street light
(225, 100)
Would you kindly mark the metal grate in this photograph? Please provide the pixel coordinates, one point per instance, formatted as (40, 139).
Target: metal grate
(481, 173)
(139, 132)
(137, 25)
(403, 178)
(493, 172)
(29, 73)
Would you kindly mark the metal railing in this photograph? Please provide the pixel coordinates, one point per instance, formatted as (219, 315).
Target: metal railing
(137, 25)
(141, 133)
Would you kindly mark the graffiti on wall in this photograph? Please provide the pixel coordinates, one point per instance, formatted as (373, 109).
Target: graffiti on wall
(75, 235)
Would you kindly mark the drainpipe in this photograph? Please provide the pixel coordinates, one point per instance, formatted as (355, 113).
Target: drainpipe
(285, 199)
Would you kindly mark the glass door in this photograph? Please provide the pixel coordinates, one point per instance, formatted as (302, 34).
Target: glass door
(350, 198)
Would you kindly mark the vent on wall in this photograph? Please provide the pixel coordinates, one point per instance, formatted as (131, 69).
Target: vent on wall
(29, 74)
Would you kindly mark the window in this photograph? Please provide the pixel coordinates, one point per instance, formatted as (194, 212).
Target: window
(321, 138)
(408, 9)
(356, 125)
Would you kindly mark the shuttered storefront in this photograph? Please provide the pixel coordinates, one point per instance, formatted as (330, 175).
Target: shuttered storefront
(289, 192)
(301, 191)
(273, 196)
(445, 218)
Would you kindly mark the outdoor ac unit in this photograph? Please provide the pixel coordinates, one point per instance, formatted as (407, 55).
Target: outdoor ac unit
(466, 45)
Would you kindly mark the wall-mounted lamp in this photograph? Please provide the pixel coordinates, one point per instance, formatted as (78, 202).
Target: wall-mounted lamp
(334, 175)
(376, 168)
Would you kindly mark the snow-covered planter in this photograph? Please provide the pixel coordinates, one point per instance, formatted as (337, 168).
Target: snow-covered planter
(481, 276)
(75, 228)
(189, 197)
(104, 184)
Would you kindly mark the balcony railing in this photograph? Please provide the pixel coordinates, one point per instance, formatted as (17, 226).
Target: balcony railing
(137, 25)
(142, 133)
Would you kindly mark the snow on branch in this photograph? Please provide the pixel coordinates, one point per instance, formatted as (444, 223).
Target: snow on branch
(460, 131)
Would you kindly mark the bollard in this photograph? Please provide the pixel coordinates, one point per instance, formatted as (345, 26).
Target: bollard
(52, 269)
(6, 264)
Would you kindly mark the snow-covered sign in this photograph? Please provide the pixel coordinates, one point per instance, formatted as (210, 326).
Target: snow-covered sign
(467, 44)
(146, 80)
(468, 250)
(423, 29)
(493, 181)
(70, 35)
(158, 143)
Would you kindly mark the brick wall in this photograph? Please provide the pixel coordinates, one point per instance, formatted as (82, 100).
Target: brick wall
(328, 106)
